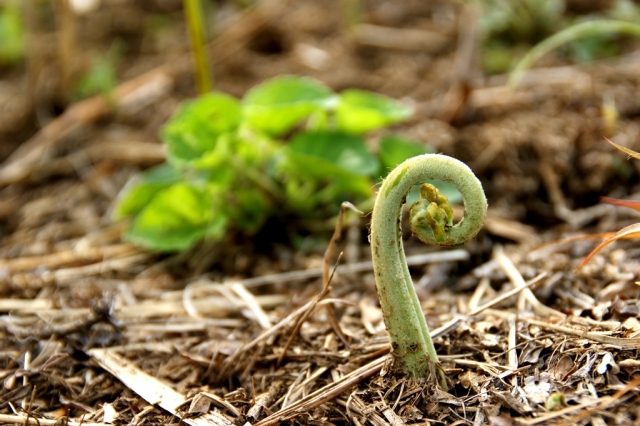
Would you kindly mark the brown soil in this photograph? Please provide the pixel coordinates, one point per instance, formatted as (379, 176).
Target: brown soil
(97, 331)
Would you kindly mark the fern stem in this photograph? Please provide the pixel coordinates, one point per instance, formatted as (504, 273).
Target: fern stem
(410, 339)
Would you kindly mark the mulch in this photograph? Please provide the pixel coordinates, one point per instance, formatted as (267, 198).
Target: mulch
(97, 331)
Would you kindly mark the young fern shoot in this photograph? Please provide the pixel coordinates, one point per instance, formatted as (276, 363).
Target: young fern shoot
(432, 222)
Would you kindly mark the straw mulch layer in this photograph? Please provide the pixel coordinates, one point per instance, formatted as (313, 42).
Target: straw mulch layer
(96, 331)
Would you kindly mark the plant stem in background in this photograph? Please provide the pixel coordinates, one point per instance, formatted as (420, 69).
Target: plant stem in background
(195, 24)
(574, 32)
(352, 13)
(431, 219)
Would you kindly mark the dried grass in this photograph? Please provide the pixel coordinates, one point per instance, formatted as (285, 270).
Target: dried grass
(97, 332)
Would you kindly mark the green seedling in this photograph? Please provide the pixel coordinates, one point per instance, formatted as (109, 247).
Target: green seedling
(508, 26)
(432, 222)
(291, 149)
(572, 33)
(522, 21)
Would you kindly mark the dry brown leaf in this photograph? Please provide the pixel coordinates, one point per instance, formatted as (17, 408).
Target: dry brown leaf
(631, 231)
(561, 369)
(632, 204)
(627, 151)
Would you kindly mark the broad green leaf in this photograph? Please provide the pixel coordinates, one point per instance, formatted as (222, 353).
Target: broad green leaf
(254, 149)
(360, 111)
(345, 151)
(195, 127)
(176, 218)
(320, 170)
(144, 189)
(218, 157)
(395, 149)
(236, 154)
(319, 120)
(335, 165)
(279, 104)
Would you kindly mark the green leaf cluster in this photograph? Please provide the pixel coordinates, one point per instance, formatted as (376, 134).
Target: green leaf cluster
(291, 147)
(12, 33)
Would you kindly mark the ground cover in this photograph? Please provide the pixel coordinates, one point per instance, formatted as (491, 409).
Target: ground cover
(95, 330)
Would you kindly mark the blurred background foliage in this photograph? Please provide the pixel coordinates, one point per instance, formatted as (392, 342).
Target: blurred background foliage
(71, 50)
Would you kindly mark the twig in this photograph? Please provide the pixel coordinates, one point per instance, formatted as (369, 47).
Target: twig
(66, 257)
(400, 38)
(151, 389)
(263, 400)
(21, 420)
(326, 285)
(509, 294)
(231, 361)
(100, 311)
(454, 323)
(295, 392)
(123, 152)
(415, 260)
(516, 278)
(622, 343)
(252, 304)
(325, 393)
(221, 402)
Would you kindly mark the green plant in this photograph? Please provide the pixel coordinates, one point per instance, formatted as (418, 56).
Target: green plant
(292, 148)
(572, 33)
(12, 33)
(521, 21)
(510, 27)
(195, 25)
(432, 222)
